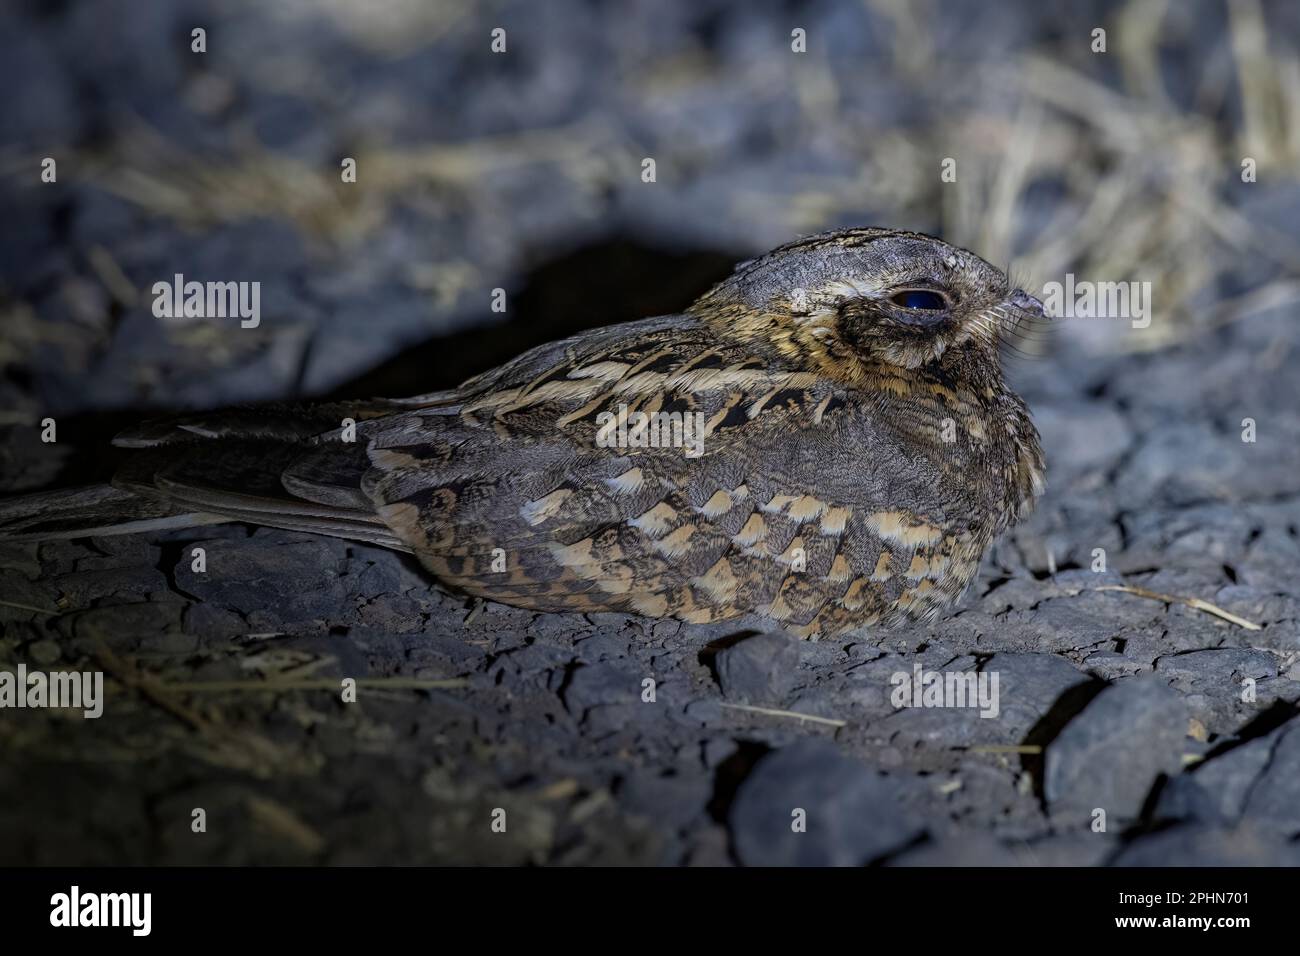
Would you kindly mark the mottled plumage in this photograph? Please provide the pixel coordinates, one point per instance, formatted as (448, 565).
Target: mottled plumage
(860, 452)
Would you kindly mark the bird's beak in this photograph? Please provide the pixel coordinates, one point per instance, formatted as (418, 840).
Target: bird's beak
(1023, 301)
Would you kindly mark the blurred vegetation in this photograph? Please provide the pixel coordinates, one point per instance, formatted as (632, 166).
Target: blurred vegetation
(475, 167)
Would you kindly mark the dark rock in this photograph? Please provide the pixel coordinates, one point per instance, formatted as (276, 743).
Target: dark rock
(17, 589)
(1110, 665)
(594, 684)
(709, 848)
(1083, 436)
(671, 799)
(1213, 680)
(976, 849)
(400, 613)
(1112, 753)
(1056, 625)
(1227, 779)
(853, 815)
(208, 620)
(82, 589)
(1195, 845)
(124, 626)
(1069, 849)
(762, 669)
(1028, 686)
(1273, 803)
(1222, 666)
(715, 750)
(262, 579)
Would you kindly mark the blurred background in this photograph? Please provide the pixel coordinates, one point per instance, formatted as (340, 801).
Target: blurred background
(522, 170)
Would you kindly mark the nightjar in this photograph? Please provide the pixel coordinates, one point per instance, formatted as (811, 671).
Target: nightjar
(824, 439)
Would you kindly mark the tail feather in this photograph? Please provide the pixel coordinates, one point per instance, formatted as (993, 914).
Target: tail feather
(281, 466)
(283, 422)
(96, 510)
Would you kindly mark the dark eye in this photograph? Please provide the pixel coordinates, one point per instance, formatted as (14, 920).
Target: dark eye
(919, 299)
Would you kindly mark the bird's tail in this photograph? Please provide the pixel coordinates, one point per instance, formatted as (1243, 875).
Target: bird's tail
(93, 510)
(282, 466)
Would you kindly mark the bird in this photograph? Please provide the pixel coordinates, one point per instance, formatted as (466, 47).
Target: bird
(823, 441)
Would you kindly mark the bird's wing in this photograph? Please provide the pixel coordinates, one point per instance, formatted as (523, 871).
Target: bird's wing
(512, 494)
(297, 466)
(284, 465)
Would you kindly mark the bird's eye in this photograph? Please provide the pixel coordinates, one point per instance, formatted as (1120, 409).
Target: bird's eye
(919, 299)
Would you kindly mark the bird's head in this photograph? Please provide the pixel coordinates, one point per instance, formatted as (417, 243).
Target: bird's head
(876, 295)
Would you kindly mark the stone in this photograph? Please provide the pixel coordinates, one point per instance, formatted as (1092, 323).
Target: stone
(853, 814)
(1196, 845)
(1112, 753)
(1273, 803)
(760, 670)
(591, 685)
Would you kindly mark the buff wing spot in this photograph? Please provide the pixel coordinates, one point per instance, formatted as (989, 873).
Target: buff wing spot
(753, 531)
(657, 520)
(676, 544)
(806, 508)
(720, 503)
(627, 483)
(834, 520)
(544, 508)
(904, 528)
(882, 572)
(719, 582)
